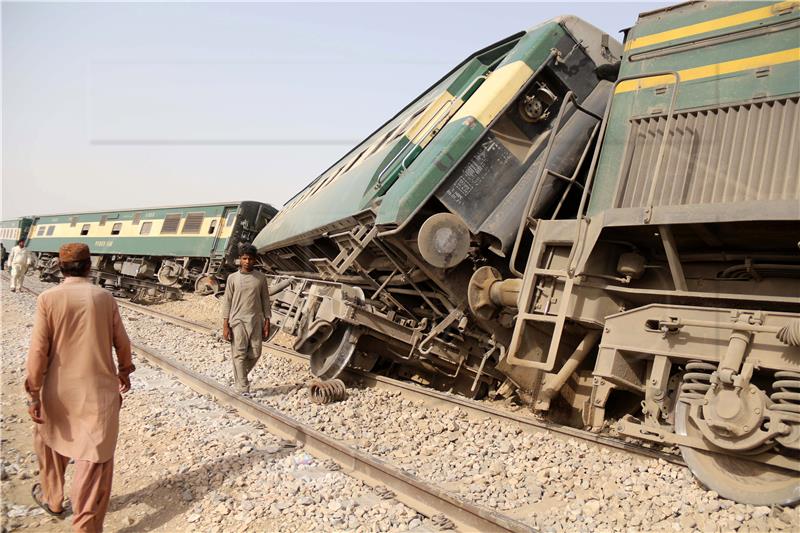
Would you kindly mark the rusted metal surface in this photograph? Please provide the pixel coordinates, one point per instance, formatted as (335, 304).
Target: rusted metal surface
(327, 391)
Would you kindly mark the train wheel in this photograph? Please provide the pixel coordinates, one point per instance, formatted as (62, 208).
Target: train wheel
(169, 273)
(206, 285)
(733, 478)
(335, 352)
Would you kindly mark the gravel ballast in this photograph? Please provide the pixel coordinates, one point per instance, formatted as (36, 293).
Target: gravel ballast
(183, 463)
(548, 481)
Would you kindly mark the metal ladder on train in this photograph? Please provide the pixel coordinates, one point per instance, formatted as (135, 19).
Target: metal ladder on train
(534, 273)
(351, 244)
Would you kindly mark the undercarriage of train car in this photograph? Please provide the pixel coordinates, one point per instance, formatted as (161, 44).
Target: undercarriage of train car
(146, 280)
(684, 335)
(395, 299)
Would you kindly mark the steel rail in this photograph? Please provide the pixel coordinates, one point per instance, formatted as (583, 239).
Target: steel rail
(421, 496)
(433, 397)
(188, 324)
(430, 396)
(481, 410)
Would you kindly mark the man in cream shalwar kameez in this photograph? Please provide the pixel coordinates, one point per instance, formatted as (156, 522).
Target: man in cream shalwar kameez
(75, 389)
(18, 263)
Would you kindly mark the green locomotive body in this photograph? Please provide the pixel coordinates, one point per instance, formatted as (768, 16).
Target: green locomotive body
(668, 309)
(618, 247)
(154, 248)
(399, 223)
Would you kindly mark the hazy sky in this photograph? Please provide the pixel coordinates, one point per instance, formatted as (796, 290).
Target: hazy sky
(131, 104)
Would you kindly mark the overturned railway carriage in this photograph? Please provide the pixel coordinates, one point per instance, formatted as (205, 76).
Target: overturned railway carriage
(378, 250)
(151, 251)
(618, 249)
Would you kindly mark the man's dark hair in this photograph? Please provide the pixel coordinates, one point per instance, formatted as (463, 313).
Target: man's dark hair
(21, 241)
(75, 269)
(248, 249)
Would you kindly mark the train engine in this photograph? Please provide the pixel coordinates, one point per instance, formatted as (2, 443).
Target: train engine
(609, 235)
(376, 254)
(668, 308)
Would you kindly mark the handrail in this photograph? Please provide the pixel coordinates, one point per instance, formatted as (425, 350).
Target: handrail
(568, 98)
(595, 158)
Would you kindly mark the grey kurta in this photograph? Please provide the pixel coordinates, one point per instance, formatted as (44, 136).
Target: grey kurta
(246, 307)
(246, 300)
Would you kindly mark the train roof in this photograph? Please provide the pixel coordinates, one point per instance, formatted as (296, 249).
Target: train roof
(16, 219)
(150, 208)
(667, 9)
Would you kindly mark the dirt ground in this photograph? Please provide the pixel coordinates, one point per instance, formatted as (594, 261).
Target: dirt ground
(20, 469)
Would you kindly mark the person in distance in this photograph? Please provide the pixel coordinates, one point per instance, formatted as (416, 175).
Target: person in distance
(18, 263)
(245, 316)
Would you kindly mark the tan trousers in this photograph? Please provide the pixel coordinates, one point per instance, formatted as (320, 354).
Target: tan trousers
(18, 276)
(91, 486)
(245, 352)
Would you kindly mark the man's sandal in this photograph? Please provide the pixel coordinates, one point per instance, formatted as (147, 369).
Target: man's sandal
(36, 493)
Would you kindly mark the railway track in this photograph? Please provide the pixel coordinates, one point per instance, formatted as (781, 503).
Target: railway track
(473, 407)
(425, 497)
(429, 396)
(579, 480)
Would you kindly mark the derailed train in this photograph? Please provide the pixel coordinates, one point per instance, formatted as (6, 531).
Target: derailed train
(151, 252)
(609, 233)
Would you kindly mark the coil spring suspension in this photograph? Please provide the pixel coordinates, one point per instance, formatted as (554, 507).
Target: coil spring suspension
(327, 391)
(787, 392)
(697, 379)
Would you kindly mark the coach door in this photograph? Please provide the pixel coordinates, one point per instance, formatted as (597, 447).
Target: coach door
(224, 231)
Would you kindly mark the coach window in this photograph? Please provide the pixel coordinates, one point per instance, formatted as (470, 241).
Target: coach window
(40, 231)
(103, 220)
(170, 224)
(85, 229)
(229, 220)
(116, 228)
(193, 223)
(145, 229)
(73, 221)
(212, 227)
(137, 217)
(50, 230)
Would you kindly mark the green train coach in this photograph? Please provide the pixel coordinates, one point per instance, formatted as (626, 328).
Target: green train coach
(153, 251)
(613, 241)
(14, 230)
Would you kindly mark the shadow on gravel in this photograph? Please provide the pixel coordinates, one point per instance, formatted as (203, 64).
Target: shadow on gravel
(277, 390)
(166, 502)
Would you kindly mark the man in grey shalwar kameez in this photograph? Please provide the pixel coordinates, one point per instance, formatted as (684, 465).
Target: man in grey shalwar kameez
(245, 314)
